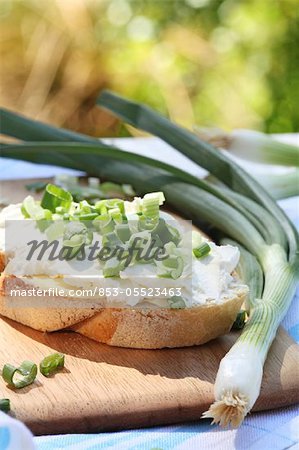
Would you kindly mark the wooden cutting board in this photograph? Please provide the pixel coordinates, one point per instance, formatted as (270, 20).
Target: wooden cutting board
(105, 388)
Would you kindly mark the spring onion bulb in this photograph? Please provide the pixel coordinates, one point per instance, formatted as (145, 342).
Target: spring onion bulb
(252, 146)
(239, 377)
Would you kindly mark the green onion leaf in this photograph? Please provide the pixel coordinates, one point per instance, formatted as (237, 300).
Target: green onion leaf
(19, 377)
(51, 364)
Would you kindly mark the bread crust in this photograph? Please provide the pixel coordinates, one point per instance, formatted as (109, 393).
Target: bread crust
(123, 327)
(44, 313)
(159, 328)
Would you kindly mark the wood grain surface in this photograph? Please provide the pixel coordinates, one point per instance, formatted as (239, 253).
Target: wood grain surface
(105, 388)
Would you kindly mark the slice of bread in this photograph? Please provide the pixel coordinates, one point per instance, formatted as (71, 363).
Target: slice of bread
(123, 327)
(151, 329)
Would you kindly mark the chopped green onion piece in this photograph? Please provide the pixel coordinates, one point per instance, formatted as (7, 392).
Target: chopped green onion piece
(177, 272)
(123, 231)
(101, 207)
(4, 405)
(90, 216)
(112, 268)
(171, 262)
(111, 240)
(239, 323)
(31, 209)
(51, 364)
(75, 241)
(104, 224)
(116, 203)
(147, 223)
(166, 232)
(171, 267)
(116, 215)
(55, 230)
(84, 207)
(19, 377)
(55, 196)
(74, 228)
(176, 302)
(151, 203)
(201, 251)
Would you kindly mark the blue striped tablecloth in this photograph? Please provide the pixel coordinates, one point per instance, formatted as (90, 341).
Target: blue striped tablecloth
(274, 430)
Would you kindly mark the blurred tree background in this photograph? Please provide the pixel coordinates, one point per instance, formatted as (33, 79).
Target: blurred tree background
(226, 63)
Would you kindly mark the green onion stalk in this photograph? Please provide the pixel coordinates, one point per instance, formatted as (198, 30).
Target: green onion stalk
(243, 211)
(252, 146)
(280, 186)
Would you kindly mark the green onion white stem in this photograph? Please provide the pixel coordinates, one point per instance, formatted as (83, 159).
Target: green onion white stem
(239, 377)
(252, 146)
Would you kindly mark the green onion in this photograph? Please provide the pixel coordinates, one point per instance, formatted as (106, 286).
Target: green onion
(104, 223)
(19, 377)
(55, 230)
(253, 146)
(151, 203)
(176, 302)
(123, 231)
(282, 185)
(4, 405)
(51, 364)
(55, 196)
(112, 268)
(238, 212)
(31, 209)
(250, 272)
(201, 153)
(201, 251)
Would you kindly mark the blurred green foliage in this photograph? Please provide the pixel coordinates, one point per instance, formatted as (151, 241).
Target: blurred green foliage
(226, 63)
